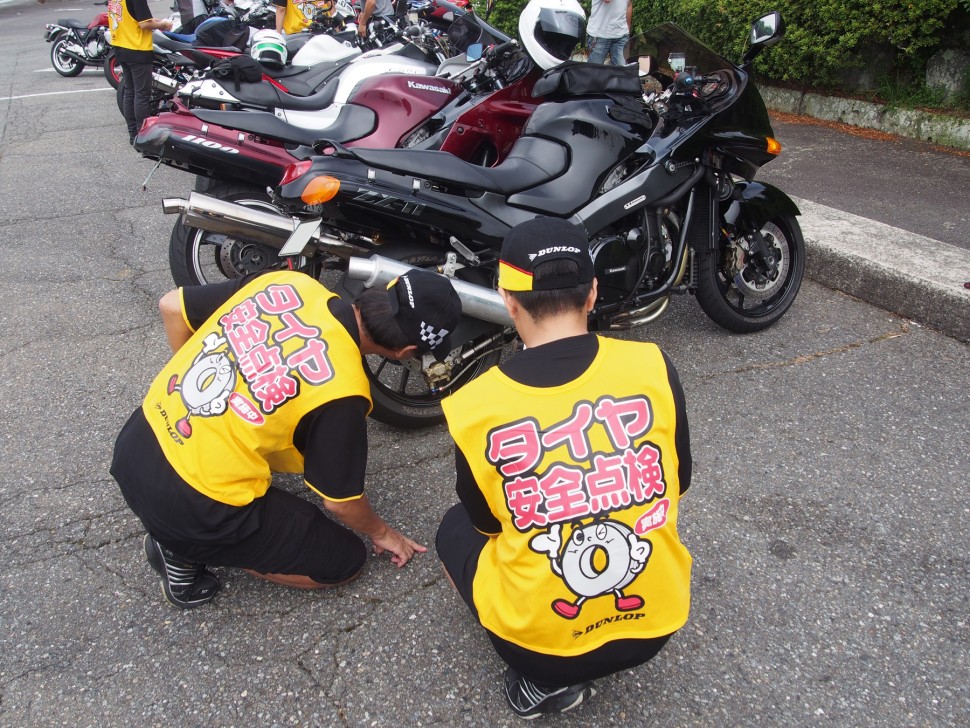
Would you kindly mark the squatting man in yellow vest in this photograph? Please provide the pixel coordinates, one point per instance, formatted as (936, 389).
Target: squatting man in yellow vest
(268, 376)
(571, 459)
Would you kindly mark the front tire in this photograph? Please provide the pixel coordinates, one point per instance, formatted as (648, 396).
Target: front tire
(63, 63)
(197, 257)
(112, 70)
(738, 295)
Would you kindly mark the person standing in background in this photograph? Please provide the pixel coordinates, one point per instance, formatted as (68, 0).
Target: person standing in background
(295, 16)
(608, 31)
(373, 9)
(131, 25)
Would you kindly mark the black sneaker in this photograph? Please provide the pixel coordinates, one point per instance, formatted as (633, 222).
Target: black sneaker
(529, 700)
(185, 585)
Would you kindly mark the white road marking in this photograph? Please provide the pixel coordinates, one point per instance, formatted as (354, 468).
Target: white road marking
(55, 93)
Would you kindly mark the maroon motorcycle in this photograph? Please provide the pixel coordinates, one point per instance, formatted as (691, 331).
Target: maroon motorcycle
(476, 111)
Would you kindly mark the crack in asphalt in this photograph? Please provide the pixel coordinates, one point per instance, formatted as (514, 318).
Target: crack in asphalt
(905, 330)
(79, 542)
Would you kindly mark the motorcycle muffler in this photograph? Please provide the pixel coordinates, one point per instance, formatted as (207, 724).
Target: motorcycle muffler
(76, 52)
(476, 301)
(164, 84)
(227, 218)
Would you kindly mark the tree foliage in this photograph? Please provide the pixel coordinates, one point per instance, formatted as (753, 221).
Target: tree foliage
(823, 36)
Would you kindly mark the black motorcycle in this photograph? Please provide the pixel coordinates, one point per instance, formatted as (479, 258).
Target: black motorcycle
(658, 169)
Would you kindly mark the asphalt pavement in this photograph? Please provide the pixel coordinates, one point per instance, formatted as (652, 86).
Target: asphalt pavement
(827, 518)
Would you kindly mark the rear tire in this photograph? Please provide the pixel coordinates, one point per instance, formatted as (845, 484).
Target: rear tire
(63, 63)
(399, 391)
(197, 257)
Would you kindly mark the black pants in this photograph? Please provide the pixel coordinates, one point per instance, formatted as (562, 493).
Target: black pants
(278, 533)
(136, 103)
(459, 544)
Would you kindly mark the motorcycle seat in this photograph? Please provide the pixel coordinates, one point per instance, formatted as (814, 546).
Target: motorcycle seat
(531, 162)
(353, 122)
(266, 95)
(72, 23)
(163, 39)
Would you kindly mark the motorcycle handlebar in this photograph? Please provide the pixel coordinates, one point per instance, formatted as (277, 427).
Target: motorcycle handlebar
(685, 81)
(498, 51)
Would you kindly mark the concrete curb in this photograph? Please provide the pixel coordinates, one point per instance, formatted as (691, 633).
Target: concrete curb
(951, 131)
(908, 274)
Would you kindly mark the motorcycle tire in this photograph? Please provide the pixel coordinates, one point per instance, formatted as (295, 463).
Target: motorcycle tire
(112, 70)
(197, 257)
(120, 97)
(399, 392)
(724, 290)
(204, 184)
(63, 63)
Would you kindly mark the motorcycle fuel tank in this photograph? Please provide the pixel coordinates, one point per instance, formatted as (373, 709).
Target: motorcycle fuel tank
(401, 102)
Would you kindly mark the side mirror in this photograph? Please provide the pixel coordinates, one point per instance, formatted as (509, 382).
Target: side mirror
(765, 32)
(474, 52)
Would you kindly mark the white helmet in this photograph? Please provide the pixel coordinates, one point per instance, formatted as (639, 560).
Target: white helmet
(550, 30)
(268, 46)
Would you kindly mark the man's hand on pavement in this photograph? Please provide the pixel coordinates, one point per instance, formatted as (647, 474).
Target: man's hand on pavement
(401, 547)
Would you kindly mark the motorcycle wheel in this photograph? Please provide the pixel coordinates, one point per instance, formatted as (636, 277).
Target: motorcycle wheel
(197, 257)
(112, 70)
(401, 395)
(734, 296)
(120, 97)
(63, 63)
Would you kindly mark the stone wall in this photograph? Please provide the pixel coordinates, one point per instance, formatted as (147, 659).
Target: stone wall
(943, 129)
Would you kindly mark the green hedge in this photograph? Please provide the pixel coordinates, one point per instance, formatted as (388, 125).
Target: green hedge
(824, 36)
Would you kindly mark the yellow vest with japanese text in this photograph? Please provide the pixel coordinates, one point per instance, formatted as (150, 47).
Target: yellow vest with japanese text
(125, 31)
(583, 479)
(225, 407)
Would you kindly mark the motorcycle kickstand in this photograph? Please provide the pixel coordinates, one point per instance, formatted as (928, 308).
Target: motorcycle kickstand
(144, 185)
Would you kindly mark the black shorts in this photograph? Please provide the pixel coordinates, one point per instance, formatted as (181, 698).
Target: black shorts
(278, 533)
(294, 537)
(459, 546)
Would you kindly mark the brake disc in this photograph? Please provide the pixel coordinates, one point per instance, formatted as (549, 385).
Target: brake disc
(238, 258)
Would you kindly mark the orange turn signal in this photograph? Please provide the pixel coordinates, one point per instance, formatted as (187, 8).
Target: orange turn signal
(320, 189)
(774, 146)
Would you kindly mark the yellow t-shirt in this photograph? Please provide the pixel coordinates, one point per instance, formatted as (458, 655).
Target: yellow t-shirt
(583, 479)
(299, 14)
(225, 407)
(125, 31)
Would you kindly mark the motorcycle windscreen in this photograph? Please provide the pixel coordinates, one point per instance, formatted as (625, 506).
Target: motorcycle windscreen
(673, 49)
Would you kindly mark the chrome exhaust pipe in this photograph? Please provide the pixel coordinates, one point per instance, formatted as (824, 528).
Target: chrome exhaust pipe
(476, 301)
(640, 316)
(227, 218)
(164, 83)
(270, 228)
